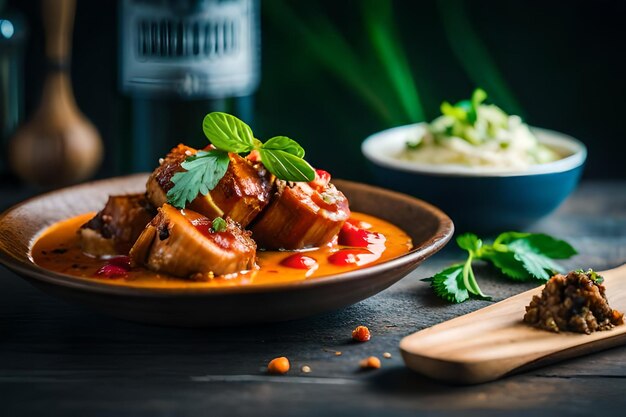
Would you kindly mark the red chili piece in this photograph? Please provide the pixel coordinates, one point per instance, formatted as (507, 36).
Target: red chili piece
(112, 271)
(322, 178)
(115, 268)
(345, 257)
(299, 261)
(350, 235)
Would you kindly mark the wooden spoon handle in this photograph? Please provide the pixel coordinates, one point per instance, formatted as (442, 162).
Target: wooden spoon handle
(493, 342)
(58, 18)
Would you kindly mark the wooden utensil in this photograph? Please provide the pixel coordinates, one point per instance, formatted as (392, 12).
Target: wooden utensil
(58, 145)
(493, 342)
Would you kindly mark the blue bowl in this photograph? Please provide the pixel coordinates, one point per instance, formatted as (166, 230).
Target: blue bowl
(478, 200)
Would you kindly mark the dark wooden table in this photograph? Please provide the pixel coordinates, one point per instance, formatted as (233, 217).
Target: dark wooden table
(57, 359)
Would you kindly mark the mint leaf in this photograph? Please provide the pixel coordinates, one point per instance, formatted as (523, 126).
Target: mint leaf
(286, 166)
(228, 133)
(202, 173)
(469, 242)
(448, 284)
(283, 143)
(218, 225)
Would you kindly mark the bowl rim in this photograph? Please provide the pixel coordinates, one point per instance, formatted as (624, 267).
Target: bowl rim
(372, 144)
(437, 240)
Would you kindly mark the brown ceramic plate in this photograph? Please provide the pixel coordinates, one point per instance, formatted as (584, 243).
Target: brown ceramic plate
(20, 226)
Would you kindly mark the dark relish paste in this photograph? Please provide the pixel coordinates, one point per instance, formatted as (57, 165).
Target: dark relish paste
(575, 302)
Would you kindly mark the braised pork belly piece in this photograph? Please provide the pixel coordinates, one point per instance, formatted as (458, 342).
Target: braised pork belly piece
(186, 244)
(241, 194)
(301, 215)
(114, 230)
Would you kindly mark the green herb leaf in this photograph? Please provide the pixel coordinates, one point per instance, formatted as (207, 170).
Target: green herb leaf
(469, 279)
(283, 143)
(535, 252)
(286, 166)
(520, 256)
(544, 244)
(469, 242)
(281, 155)
(455, 112)
(534, 261)
(228, 133)
(203, 171)
(594, 276)
(218, 225)
(509, 265)
(448, 284)
(478, 96)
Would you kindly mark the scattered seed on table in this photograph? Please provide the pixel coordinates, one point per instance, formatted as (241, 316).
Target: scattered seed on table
(306, 369)
(278, 366)
(361, 334)
(370, 363)
(387, 355)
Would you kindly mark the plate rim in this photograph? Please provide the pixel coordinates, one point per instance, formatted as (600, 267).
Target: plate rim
(30, 270)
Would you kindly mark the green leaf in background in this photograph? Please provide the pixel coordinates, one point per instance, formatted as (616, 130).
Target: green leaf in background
(283, 143)
(228, 133)
(395, 104)
(381, 26)
(456, 112)
(474, 55)
(448, 284)
(203, 171)
(478, 97)
(286, 166)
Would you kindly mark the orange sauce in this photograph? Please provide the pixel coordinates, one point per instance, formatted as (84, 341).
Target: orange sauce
(58, 250)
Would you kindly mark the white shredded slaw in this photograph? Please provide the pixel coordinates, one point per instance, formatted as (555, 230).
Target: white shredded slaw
(494, 141)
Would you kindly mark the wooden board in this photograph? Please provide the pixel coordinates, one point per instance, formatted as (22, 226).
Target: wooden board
(493, 342)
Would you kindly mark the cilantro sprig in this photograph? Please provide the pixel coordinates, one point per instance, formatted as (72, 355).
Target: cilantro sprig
(519, 256)
(282, 156)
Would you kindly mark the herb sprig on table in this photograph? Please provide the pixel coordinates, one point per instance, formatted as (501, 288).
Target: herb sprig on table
(519, 256)
(280, 155)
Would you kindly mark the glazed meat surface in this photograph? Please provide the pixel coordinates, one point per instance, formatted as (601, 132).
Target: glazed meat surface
(182, 243)
(241, 194)
(114, 230)
(301, 215)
